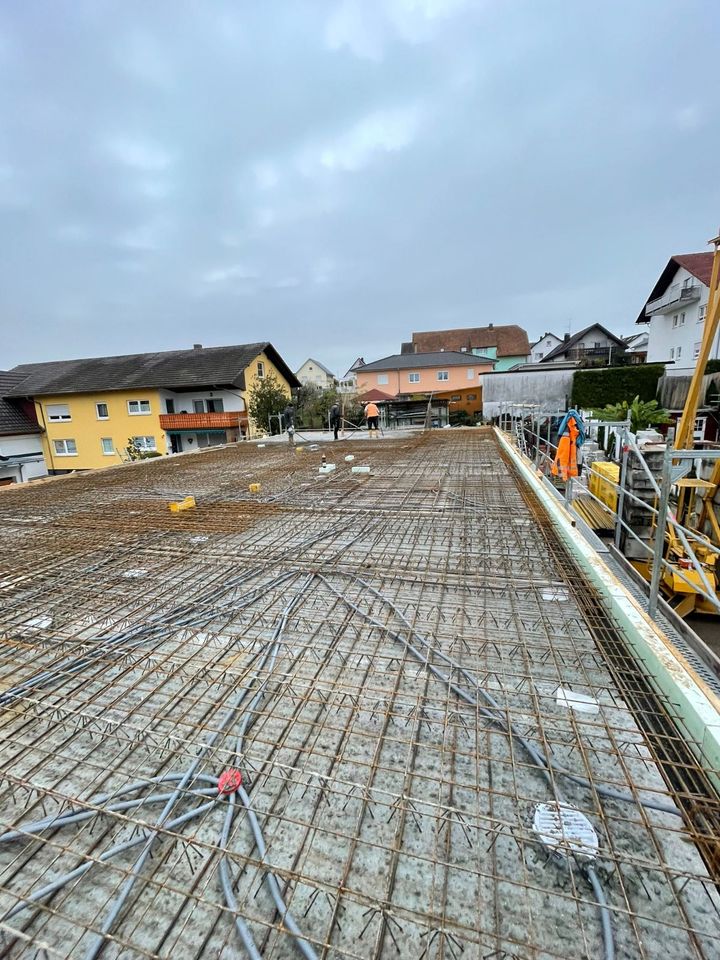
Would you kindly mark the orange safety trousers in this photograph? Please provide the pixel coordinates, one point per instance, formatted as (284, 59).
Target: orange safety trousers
(565, 463)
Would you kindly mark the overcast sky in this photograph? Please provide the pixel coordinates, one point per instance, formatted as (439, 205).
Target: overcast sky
(332, 176)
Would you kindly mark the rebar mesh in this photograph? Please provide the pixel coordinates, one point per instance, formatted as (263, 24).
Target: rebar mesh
(397, 818)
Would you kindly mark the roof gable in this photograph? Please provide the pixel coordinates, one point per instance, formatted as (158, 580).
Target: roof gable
(577, 337)
(317, 364)
(698, 264)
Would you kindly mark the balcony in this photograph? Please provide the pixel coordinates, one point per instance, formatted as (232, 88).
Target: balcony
(596, 356)
(675, 296)
(203, 421)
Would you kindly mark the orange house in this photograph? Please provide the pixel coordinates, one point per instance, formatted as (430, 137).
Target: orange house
(445, 374)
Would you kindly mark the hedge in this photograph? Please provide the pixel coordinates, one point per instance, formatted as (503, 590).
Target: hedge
(592, 389)
(712, 366)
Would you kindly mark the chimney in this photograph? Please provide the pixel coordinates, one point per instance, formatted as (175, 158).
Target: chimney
(197, 346)
(566, 337)
(490, 326)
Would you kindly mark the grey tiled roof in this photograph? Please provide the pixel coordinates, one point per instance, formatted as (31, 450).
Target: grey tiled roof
(172, 369)
(416, 361)
(12, 419)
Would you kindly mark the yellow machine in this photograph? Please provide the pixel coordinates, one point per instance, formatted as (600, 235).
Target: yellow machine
(681, 581)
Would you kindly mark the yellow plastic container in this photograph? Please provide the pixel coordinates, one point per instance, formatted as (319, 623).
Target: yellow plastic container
(254, 488)
(187, 504)
(602, 476)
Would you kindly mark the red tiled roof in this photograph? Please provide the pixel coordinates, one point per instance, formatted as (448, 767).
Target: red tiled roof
(510, 340)
(375, 395)
(698, 264)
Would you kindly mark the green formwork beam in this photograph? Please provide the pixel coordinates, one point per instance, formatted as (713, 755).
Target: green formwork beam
(664, 664)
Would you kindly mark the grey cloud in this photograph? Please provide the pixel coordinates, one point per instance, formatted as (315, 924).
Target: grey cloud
(333, 176)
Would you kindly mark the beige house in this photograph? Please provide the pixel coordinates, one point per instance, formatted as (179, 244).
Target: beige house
(313, 374)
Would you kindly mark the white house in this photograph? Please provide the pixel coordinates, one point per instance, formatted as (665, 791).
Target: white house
(313, 374)
(348, 384)
(593, 346)
(543, 346)
(675, 313)
(21, 455)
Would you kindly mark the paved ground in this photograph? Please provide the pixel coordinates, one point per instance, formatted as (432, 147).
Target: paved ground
(337, 639)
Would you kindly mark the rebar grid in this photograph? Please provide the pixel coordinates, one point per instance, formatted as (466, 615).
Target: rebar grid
(396, 816)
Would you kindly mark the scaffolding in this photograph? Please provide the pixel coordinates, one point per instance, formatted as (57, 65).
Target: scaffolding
(333, 720)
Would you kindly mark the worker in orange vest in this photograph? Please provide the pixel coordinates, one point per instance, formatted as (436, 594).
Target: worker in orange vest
(571, 435)
(372, 415)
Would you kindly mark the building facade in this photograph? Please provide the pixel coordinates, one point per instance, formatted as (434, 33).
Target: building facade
(542, 347)
(507, 346)
(444, 372)
(103, 411)
(21, 448)
(313, 374)
(675, 313)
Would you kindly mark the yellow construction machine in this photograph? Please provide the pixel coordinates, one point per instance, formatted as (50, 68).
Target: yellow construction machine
(688, 583)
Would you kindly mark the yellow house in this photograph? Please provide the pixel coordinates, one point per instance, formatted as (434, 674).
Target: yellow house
(102, 411)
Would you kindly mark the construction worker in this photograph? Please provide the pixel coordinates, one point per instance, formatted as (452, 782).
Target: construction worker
(372, 415)
(571, 436)
(335, 419)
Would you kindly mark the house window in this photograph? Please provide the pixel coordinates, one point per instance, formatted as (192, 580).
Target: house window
(699, 428)
(701, 313)
(414, 377)
(382, 379)
(471, 373)
(144, 443)
(687, 283)
(455, 398)
(463, 349)
(675, 320)
(65, 448)
(696, 350)
(261, 370)
(58, 412)
(138, 407)
(101, 411)
(208, 406)
(539, 356)
(472, 396)
(170, 405)
(107, 446)
(672, 353)
(597, 345)
(678, 352)
(682, 319)
(443, 375)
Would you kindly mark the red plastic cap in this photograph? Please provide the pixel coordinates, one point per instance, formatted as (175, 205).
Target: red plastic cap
(230, 781)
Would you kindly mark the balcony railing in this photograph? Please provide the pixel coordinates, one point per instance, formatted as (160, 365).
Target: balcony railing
(203, 421)
(596, 354)
(675, 295)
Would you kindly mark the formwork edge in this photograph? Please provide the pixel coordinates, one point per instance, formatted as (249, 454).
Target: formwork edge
(668, 669)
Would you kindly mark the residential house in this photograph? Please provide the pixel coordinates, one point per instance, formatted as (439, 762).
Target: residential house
(348, 384)
(543, 346)
(507, 346)
(21, 451)
(594, 346)
(675, 313)
(171, 402)
(313, 374)
(446, 375)
(636, 347)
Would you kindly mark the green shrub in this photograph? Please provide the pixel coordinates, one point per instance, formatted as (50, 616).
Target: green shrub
(712, 366)
(592, 389)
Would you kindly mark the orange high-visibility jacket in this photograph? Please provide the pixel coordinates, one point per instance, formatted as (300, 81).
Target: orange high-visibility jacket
(371, 410)
(565, 464)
